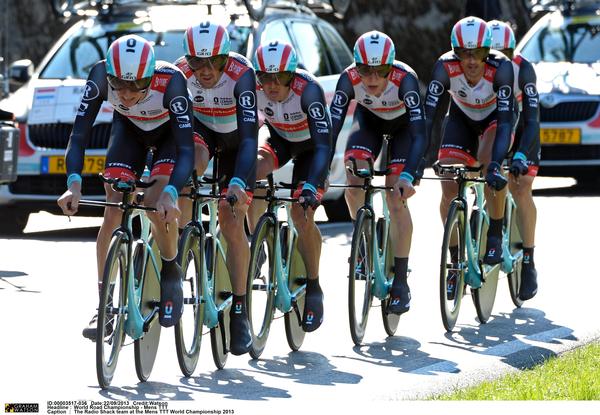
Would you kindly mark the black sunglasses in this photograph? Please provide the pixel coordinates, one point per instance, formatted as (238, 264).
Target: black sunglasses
(282, 78)
(138, 85)
(478, 53)
(214, 62)
(381, 70)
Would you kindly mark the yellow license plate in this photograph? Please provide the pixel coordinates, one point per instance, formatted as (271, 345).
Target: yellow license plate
(560, 135)
(57, 165)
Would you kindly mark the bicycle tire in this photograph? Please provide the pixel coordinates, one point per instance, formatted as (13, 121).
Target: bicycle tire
(390, 320)
(256, 8)
(360, 254)
(219, 335)
(261, 306)
(515, 245)
(114, 285)
(450, 307)
(297, 277)
(191, 253)
(146, 347)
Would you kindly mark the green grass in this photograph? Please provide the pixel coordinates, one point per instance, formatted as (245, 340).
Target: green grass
(573, 376)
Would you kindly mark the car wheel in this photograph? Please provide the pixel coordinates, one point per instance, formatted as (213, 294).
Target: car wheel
(337, 210)
(13, 220)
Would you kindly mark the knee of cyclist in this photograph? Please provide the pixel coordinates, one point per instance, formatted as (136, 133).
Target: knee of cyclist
(301, 222)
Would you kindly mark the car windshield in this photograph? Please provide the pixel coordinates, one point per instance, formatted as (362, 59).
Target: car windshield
(574, 42)
(80, 52)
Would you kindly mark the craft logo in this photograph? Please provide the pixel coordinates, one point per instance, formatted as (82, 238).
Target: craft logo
(21, 407)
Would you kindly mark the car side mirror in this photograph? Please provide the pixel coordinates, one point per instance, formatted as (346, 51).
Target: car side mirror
(21, 71)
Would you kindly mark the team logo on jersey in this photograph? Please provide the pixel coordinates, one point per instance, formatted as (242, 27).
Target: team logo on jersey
(367, 101)
(268, 111)
(504, 92)
(90, 91)
(412, 99)
(179, 105)
(317, 111)
(530, 90)
(462, 93)
(123, 107)
(198, 99)
(436, 88)
(247, 99)
(340, 99)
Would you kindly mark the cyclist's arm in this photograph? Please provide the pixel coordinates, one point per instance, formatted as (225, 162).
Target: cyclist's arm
(344, 93)
(409, 93)
(95, 93)
(434, 99)
(247, 122)
(319, 123)
(503, 84)
(179, 104)
(531, 111)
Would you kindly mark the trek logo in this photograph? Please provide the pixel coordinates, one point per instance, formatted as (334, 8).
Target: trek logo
(247, 100)
(436, 88)
(316, 111)
(340, 99)
(504, 92)
(412, 99)
(530, 90)
(168, 309)
(90, 91)
(179, 105)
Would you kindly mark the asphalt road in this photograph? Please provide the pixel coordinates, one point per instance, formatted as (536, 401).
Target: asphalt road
(48, 294)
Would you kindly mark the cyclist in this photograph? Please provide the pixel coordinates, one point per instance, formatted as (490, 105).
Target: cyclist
(223, 88)
(525, 151)
(478, 126)
(151, 109)
(388, 102)
(295, 111)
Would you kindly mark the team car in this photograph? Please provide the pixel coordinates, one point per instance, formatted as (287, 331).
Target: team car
(564, 47)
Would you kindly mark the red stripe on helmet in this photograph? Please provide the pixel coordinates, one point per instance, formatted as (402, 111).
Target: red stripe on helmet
(386, 50)
(506, 37)
(287, 50)
(190, 39)
(362, 50)
(218, 38)
(261, 59)
(143, 61)
(116, 59)
(480, 35)
(459, 36)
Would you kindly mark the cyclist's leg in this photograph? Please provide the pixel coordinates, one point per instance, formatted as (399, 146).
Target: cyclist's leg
(521, 190)
(495, 199)
(124, 160)
(271, 155)
(309, 239)
(203, 151)
(364, 143)
(232, 228)
(401, 226)
(166, 235)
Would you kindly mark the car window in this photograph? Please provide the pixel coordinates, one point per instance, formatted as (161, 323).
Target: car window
(570, 43)
(275, 31)
(80, 52)
(338, 51)
(310, 48)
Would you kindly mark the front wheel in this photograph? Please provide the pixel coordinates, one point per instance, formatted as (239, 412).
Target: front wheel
(261, 284)
(390, 320)
(515, 246)
(221, 289)
(146, 347)
(110, 332)
(485, 296)
(297, 277)
(360, 276)
(452, 270)
(188, 331)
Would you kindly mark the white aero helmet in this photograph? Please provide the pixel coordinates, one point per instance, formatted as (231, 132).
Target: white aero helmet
(503, 36)
(471, 33)
(276, 56)
(374, 48)
(206, 40)
(130, 58)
